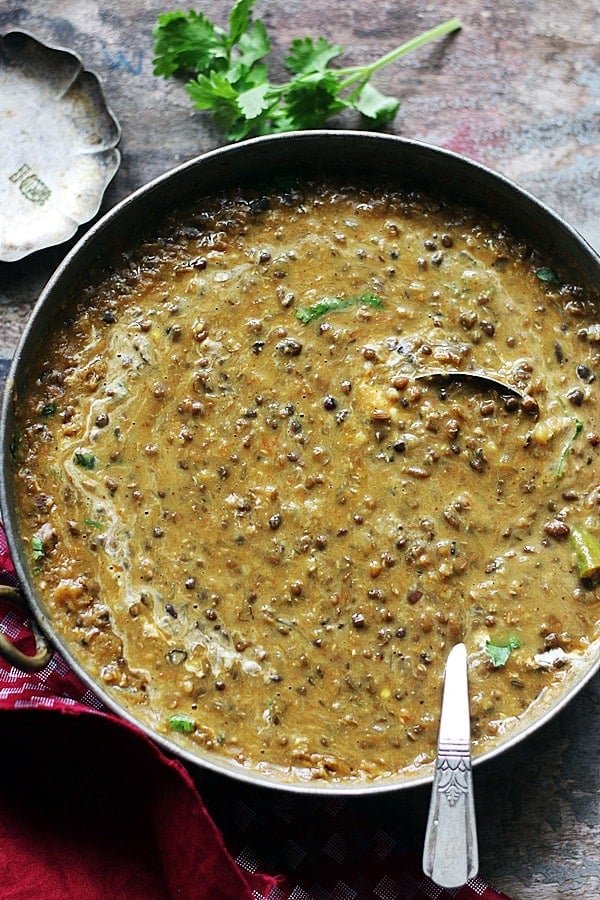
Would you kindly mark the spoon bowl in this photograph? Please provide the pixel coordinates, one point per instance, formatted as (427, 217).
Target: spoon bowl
(484, 381)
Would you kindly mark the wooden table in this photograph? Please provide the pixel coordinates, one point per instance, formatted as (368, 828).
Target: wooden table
(517, 89)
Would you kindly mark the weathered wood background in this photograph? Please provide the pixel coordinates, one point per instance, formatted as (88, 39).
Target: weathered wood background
(517, 89)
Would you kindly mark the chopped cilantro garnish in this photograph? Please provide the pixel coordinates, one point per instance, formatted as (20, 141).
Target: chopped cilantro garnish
(85, 460)
(308, 314)
(500, 653)
(547, 275)
(48, 409)
(37, 547)
(92, 523)
(567, 448)
(182, 724)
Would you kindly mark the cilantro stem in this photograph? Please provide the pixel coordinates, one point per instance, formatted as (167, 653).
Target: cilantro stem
(359, 73)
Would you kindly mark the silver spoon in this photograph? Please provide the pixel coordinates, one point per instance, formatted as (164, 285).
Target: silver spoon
(485, 379)
(450, 855)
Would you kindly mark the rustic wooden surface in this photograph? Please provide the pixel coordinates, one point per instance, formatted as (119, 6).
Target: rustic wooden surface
(517, 89)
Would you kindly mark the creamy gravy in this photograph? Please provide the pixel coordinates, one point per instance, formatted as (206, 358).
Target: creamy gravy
(263, 531)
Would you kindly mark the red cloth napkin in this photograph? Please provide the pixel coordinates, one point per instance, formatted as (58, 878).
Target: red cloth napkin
(92, 809)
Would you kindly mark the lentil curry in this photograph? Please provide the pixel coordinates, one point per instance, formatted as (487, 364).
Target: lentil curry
(259, 521)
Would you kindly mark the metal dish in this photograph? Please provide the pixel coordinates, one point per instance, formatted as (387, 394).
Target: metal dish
(58, 140)
(306, 153)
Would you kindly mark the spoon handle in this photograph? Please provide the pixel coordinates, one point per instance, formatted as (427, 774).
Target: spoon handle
(450, 855)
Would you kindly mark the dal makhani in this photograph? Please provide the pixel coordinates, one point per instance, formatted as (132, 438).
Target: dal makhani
(262, 505)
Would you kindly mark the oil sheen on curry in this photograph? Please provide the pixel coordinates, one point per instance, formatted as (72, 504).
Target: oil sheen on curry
(261, 505)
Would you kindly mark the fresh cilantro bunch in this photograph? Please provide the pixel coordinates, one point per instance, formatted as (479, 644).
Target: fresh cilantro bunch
(226, 74)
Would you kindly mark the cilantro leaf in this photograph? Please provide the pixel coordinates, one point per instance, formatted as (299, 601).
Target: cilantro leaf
(253, 101)
(85, 460)
(254, 46)
(213, 91)
(310, 99)
(233, 111)
(185, 43)
(37, 547)
(240, 20)
(306, 56)
(92, 523)
(226, 73)
(308, 314)
(374, 105)
(182, 723)
(500, 653)
(547, 275)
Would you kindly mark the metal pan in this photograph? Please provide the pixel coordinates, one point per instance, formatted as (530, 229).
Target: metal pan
(358, 155)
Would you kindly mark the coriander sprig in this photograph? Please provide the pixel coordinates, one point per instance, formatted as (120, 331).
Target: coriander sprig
(499, 653)
(226, 73)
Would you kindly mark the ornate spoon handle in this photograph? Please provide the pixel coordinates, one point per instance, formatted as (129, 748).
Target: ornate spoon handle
(450, 855)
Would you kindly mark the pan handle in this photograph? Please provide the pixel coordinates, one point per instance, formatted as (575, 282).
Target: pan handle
(16, 657)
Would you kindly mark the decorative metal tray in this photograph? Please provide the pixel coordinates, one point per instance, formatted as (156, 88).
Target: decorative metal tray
(58, 145)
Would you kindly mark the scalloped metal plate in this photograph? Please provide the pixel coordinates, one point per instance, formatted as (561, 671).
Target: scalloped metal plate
(58, 141)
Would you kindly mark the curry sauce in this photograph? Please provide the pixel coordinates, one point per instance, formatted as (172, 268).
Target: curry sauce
(262, 504)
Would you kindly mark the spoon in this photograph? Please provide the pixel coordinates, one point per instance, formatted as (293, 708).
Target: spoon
(450, 855)
(485, 380)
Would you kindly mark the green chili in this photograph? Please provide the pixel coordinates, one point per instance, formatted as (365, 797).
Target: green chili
(587, 552)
